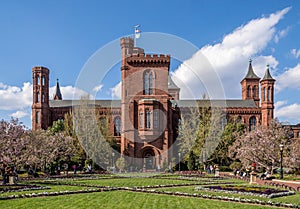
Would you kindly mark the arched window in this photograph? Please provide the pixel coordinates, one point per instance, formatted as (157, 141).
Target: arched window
(38, 97)
(269, 93)
(254, 91)
(38, 80)
(117, 126)
(248, 91)
(43, 80)
(37, 117)
(43, 97)
(238, 119)
(148, 83)
(252, 123)
(265, 94)
(148, 119)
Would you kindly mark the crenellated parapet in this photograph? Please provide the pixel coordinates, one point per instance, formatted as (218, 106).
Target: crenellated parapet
(148, 59)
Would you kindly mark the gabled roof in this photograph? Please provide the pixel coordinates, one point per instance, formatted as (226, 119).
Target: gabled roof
(238, 103)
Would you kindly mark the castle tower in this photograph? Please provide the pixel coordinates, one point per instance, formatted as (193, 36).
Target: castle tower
(267, 98)
(250, 85)
(40, 105)
(145, 105)
(57, 95)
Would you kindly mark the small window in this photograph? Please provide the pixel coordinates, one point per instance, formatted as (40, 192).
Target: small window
(43, 80)
(37, 117)
(117, 126)
(43, 97)
(248, 91)
(252, 123)
(254, 91)
(269, 93)
(38, 97)
(238, 119)
(265, 94)
(148, 119)
(141, 119)
(155, 119)
(38, 80)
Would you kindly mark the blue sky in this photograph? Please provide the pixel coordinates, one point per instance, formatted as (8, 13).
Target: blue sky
(63, 35)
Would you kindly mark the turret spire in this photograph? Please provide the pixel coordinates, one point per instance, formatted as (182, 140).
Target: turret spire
(57, 95)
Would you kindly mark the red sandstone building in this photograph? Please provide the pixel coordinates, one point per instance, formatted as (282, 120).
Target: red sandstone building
(145, 120)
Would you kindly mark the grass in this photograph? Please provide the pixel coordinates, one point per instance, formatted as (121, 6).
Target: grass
(121, 199)
(129, 199)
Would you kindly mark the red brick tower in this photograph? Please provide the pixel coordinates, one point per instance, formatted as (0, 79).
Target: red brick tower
(40, 105)
(146, 117)
(250, 85)
(267, 98)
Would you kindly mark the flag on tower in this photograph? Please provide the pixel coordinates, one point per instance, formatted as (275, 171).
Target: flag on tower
(137, 31)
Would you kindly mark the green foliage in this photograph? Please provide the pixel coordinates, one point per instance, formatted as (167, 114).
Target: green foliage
(192, 161)
(57, 126)
(230, 133)
(121, 163)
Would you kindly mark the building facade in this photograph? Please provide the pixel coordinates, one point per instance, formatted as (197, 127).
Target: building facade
(145, 120)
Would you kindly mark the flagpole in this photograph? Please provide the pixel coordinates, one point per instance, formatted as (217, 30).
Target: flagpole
(136, 31)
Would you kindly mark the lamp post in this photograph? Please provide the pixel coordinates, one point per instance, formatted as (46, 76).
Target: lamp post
(179, 160)
(113, 163)
(281, 154)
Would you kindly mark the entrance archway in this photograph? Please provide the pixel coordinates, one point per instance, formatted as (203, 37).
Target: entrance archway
(149, 159)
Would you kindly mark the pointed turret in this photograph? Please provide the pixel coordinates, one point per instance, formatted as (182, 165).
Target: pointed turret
(57, 95)
(250, 85)
(267, 100)
(250, 73)
(268, 75)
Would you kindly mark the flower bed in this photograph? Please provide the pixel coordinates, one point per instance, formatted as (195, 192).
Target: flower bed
(252, 191)
(20, 187)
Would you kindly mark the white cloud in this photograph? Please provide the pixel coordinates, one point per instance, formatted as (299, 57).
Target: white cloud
(289, 79)
(15, 98)
(116, 91)
(229, 58)
(281, 34)
(295, 53)
(19, 114)
(98, 88)
(289, 112)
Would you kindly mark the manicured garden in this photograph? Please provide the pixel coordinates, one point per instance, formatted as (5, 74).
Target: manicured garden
(153, 191)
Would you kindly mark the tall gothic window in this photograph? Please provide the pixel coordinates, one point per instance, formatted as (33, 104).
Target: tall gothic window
(265, 94)
(269, 93)
(252, 123)
(148, 83)
(117, 126)
(148, 119)
(254, 91)
(248, 91)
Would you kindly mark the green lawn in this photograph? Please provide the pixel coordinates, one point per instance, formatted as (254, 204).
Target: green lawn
(130, 199)
(121, 199)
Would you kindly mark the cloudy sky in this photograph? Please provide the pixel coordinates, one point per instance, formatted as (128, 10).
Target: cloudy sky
(63, 36)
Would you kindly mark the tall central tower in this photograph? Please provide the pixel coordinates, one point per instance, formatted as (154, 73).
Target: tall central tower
(146, 119)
